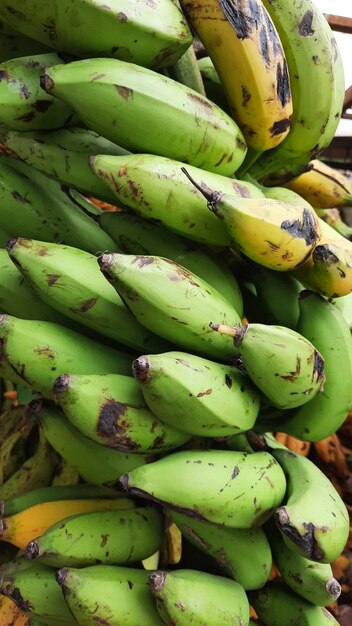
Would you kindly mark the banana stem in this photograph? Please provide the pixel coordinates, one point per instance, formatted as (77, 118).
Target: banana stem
(237, 332)
(213, 197)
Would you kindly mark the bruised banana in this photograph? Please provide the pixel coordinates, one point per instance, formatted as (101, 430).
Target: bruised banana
(134, 235)
(246, 50)
(329, 269)
(171, 301)
(129, 536)
(111, 410)
(24, 105)
(197, 395)
(210, 482)
(14, 44)
(143, 102)
(147, 34)
(277, 605)
(333, 218)
(101, 593)
(314, 65)
(33, 588)
(323, 186)
(312, 581)
(95, 463)
(233, 549)
(212, 83)
(38, 352)
(69, 280)
(282, 363)
(274, 234)
(11, 615)
(173, 201)
(186, 597)
(63, 155)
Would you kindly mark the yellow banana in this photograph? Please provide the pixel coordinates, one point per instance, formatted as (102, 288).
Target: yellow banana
(10, 614)
(323, 186)
(245, 48)
(23, 527)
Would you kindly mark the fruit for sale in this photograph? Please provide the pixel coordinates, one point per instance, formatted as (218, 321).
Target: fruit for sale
(197, 395)
(285, 366)
(323, 186)
(151, 34)
(171, 301)
(277, 296)
(132, 106)
(227, 488)
(190, 597)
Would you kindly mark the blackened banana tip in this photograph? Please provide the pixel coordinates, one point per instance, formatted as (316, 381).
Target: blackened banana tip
(141, 369)
(333, 588)
(61, 383)
(11, 244)
(91, 161)
(105, 262)
(157, 581)
(3, 318)
(214, 326)
(61, 576)
(32, 550)
(124, 482)
(46, 82)
(281, 517)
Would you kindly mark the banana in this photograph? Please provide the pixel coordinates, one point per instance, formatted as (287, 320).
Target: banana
(190, 597)
(239, 443)
(96, 463)
(128, 537)
(344, 304)
(143, 102)
(111, 410)
(209, 482)
(35, 206)
(242, 554)
(63, 155)
(183, 308)
(323, 186)
(14, 44)
(134, 235)
(22, 528)
(65, 474)
(186, 71)
(285, 195)
(212, 83)
(24, 105)
(277, 235)
(156, 189)
(246, 50)
(150, 34)
(278, 295)
(315, 66)
(333, 218)
(106, 593)
(10, 614)
(69, 280)
(197, 395)
(322, 323)
(283, 364)
(13, 450)
(38, 352)
(329, 269)
(36, 471)
(54, 493)
(33, 588)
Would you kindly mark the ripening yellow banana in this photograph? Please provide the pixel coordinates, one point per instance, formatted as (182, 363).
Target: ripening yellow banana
(246, 51)
(323, 186)
(10, 614)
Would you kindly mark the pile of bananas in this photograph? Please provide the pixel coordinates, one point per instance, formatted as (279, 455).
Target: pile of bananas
(149, 353)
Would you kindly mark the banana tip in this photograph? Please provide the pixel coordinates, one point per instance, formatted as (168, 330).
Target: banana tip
(11, 244)
(281, 517)
(61, 384)
(46, 82)
(105, 262)
(157, 581)
(236, 332)
(141, 369)
(61, 576)
(333, 588)
(32, 550)
(124, 482)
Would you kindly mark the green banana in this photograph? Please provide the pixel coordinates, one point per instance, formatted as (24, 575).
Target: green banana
(128, 537)
(323, 324)
(196, 395)
(344, 304)
(32, 586)
(285, 195)
(36, 471)
(65, 474)
(53, 493)
(239, 443)
(132, 106)
(285, 366)
(110, 594)
(277, 295)
(14, 44)
(111, 410)
(212, 83)
(35, 206)
(134, 235)
(243, 554)
(63, 155)
(183, 308)
(24, 105)
(278, 235)
(38, 352)
(277, 605)
(156, 189)
(314, 521)
(96, 463)
(227, 488)
(152, 34)
(188, 597)
(312, 581)
(315, 66)
(69, 280)
(13, 450)
(186, 71)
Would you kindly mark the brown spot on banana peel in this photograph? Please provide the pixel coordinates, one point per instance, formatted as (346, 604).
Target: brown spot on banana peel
(302, 229)
(305, 26)
(293, 375)
(85, 306)
(318, 370)
(141, 369)
(323, 254)
(52, 279)
(307, 542)
(111, 428)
